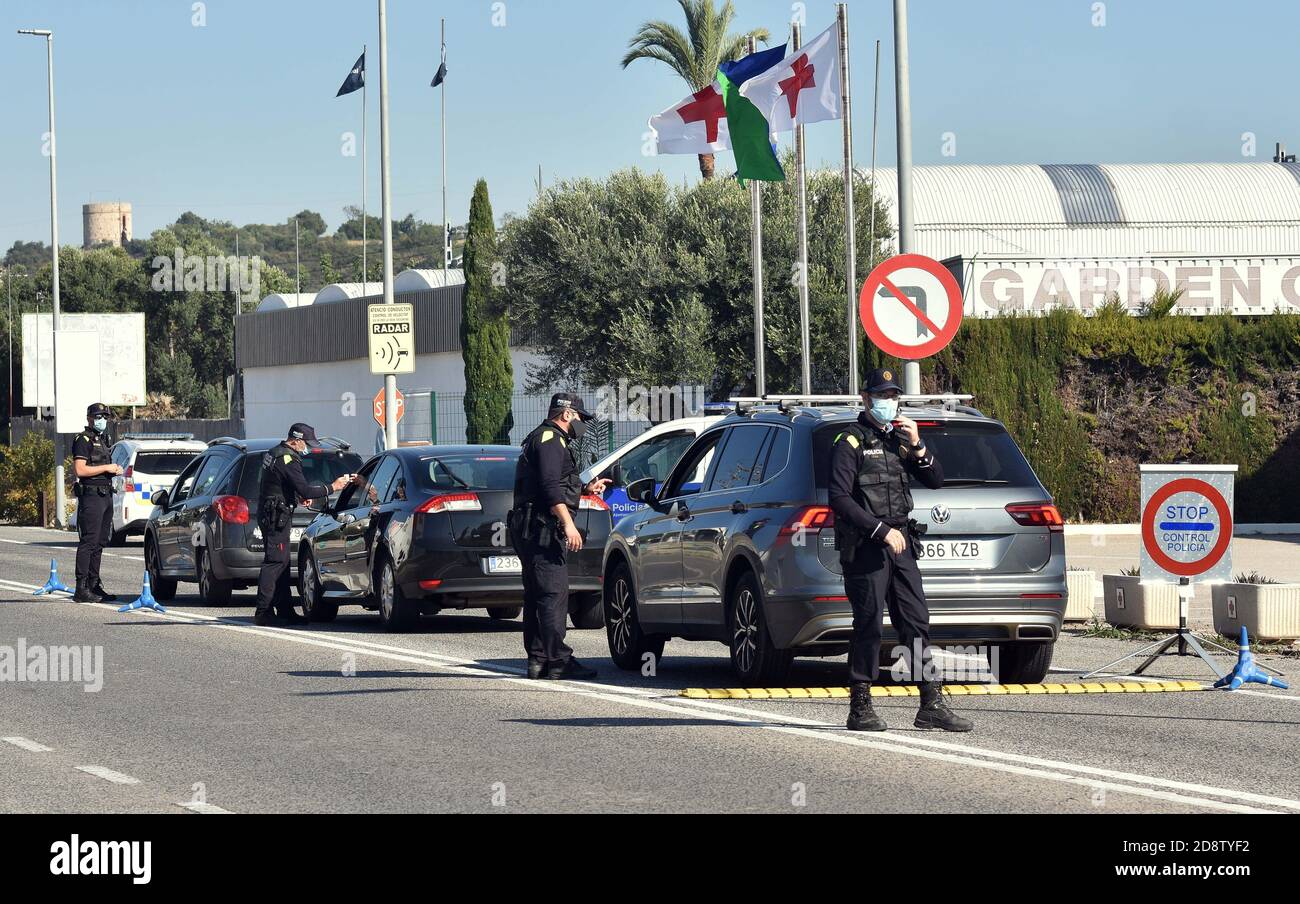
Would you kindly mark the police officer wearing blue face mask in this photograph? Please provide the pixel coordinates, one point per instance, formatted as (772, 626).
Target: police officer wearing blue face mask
(872, 464)
(94, 469)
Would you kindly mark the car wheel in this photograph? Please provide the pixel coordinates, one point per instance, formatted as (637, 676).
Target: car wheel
(628, 644)
(587, 611)
(506, 614)
(164, 589)
(396, 612)
(755, 661)
(215, 592)
(314, 605)
(1024, 663)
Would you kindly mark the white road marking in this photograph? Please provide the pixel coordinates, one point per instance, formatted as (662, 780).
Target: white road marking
(923, 748)
(25, 744)
(109, 775)
(208, 809)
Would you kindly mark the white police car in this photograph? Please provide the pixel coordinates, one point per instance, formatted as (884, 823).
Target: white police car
(150, 462)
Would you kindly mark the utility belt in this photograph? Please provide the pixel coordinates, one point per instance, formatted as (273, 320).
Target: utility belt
(80, 489)
(532, 524)
(274, 514)
(849, 540)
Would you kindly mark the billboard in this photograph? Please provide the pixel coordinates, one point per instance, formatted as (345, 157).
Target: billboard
(120, 364)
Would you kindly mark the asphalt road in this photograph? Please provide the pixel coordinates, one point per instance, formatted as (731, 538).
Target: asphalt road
(199, 711)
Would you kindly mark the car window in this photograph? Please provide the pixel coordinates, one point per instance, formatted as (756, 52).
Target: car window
(383, 481)
(208, 474)
(773, 460)
(738, 458)
(328, 465)
(355, 496)
(688, 476)
(229, 485)
(122, 455)
(185, 482)
(655, 457)
(466, 471)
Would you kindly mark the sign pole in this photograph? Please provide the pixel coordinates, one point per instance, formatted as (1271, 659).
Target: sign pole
(365, 173)
(756, 251)
(906, 225)
(850, 220)
(390, 379)
(805, 316)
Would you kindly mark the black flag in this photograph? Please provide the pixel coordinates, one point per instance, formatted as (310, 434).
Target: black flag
(442, 70)
(356, 79)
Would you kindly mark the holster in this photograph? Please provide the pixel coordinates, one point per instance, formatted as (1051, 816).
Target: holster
(273, 514)
(519, 522)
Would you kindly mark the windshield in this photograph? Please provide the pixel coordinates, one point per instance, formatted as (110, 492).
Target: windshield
(327, 467)
(163, 464)
(467, 471)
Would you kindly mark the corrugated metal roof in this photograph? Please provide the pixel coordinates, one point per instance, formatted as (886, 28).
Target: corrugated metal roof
(1087, 196)
(1293, 169)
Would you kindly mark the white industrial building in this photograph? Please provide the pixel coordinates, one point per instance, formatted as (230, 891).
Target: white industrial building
(1026, 237)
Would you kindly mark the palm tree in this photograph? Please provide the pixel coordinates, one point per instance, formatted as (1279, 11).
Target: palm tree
(696, 55)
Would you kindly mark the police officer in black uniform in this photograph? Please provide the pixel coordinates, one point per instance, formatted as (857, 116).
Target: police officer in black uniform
(548, 491)
(283, 485)
(94, 469)
(871, 463)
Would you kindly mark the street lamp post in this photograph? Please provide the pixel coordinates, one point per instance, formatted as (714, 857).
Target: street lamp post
(386, 188)
(60, 498)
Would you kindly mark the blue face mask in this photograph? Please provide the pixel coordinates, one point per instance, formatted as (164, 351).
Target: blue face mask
(101, 424)
(884, 410)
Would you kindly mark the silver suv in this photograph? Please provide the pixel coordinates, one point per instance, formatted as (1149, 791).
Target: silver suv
(738, 546)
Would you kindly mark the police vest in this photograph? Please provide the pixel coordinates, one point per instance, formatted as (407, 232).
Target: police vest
(527, 482)
(883, 485)
(99, 455)
(273, 485)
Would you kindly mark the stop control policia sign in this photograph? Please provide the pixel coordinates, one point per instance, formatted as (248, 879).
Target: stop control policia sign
(911, 307)
(1187, 522)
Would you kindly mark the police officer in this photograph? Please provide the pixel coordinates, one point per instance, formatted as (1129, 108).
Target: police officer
(94, 470)
(283, 485)
(547, 493)
(871, 463)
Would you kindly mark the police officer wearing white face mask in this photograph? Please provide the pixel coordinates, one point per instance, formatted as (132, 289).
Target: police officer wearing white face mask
(94, 469)
(872, 465)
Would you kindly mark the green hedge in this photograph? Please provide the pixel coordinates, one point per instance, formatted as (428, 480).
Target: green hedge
(1090, 399)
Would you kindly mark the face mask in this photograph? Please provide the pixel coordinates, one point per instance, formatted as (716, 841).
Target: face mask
(101, 424)
(579, 429)
(884, 410)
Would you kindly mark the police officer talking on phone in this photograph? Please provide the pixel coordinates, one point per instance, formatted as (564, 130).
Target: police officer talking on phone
(283, 485)
(94, 470)
(872, 463)
(548, 491)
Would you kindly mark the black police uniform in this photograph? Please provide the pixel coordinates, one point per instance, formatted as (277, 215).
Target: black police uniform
(94, 510)
(283, 485)
(546, 475)
(870, 494)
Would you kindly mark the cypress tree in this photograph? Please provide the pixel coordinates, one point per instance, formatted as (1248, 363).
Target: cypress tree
(485, 331)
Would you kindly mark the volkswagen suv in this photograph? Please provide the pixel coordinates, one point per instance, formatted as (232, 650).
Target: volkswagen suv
(738, 546)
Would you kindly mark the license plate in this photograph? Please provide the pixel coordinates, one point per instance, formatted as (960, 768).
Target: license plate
(295, 534)
(935, 553)
(504, 565)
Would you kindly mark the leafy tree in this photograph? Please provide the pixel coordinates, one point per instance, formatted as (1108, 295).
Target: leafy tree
(485, 331)
(26, 469)
(695, 55)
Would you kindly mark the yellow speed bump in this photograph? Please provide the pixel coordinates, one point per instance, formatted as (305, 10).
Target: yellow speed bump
(952, 690)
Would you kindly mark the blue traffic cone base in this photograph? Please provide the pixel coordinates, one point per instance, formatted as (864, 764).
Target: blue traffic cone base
(53, 585)
(1247, 672)
(145, 601)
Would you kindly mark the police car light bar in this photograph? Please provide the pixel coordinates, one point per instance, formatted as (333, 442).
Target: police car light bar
(786, 403)
(173, 437)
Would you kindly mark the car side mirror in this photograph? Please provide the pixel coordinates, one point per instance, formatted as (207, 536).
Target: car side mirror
(160, 499)
(643, 491)
(616, 474)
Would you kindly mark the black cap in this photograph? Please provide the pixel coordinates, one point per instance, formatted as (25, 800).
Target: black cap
(882, 380)
(303, 432)
(99, 409)
(569, 400)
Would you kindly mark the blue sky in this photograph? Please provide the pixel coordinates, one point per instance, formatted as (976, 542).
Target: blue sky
(238, 120)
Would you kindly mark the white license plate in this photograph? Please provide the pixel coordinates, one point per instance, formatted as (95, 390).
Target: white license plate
(295, 534)
(504, 565)
(964, 553)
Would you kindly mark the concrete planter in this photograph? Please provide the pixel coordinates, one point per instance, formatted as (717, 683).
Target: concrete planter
(1082, 586)
(1132, 604)
(1270, 612)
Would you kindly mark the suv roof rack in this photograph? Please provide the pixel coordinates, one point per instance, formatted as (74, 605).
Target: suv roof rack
(791, 404)
(178, 437)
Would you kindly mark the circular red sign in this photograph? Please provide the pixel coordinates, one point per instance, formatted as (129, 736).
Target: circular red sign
(1163, 495)
(881, 278)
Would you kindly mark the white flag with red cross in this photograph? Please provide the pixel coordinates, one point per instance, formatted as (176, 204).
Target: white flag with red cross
(695, 125)
(804, 88)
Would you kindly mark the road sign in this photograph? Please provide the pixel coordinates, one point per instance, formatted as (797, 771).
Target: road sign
(379, 407)
(1187, 522)
(392, 338)
(911, 307)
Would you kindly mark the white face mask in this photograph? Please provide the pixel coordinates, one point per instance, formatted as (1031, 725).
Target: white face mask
(884, 410)
(100, 424)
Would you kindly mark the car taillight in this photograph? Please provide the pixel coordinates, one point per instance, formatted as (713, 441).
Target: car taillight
(451, 502)
(814, 517)
(232, 509)
(593, 503)
(1037, 514)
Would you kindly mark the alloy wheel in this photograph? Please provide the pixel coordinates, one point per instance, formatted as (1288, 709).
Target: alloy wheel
(621, 611)
(744, 641)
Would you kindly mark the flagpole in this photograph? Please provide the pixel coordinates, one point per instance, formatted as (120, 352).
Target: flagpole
(906, 225)
(875, 127)
(446, 228)
(850, 220)
(802, 191)
(756, 246)
(365, 169)
(386, 192)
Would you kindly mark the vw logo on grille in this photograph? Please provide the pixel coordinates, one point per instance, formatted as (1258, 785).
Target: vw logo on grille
(940, 514)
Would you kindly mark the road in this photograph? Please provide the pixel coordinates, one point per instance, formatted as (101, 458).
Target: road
(199, 711)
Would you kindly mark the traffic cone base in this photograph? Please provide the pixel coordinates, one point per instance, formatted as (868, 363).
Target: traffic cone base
(1247, 672)
(145, 600)
(53, 585)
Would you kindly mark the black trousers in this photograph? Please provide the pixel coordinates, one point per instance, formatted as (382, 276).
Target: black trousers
(273, 581)
(546, 601)
(877, 579)
(94, 528)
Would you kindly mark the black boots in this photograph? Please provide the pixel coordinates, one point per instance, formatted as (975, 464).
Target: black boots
(935, 714)
(573, 670)
(84, 595)
(537, 668)
(862, 716)
(103, 594)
